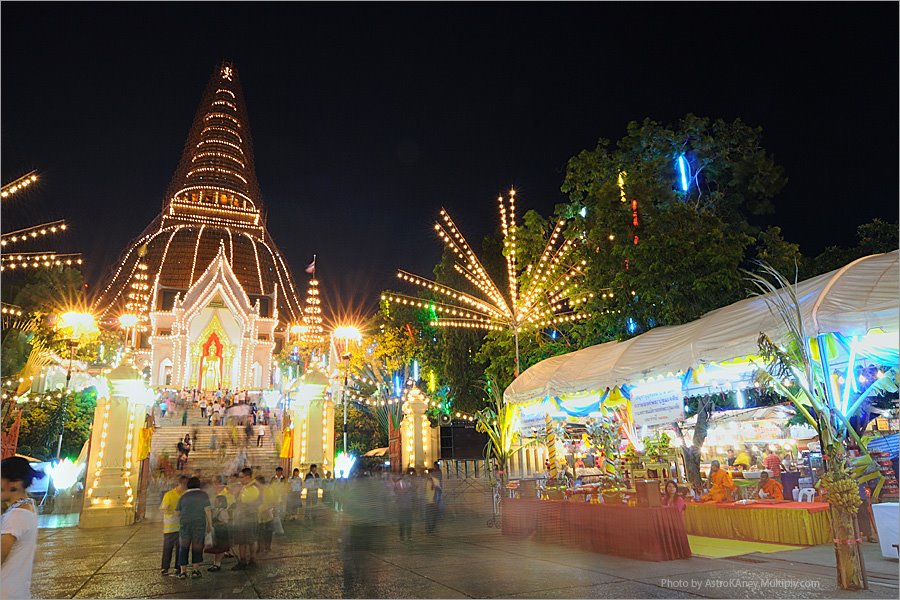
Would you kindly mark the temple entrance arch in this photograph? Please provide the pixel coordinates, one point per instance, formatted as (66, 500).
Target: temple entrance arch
(164, 373)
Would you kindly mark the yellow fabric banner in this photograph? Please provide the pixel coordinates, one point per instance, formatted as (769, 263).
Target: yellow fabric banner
(287, 444)
(144, 440)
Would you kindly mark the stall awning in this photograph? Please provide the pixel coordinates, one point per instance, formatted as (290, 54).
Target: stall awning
(853, 300)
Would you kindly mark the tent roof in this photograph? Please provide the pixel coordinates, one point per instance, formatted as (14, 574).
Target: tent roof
(851, 300)
(377, 452)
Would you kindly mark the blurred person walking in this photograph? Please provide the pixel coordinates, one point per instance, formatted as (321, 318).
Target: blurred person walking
(311, 483)
(403, 494)
(246, 516)
(18, 528)
(296, 489)
(221, 534)
(266, 514)
(194, 523)
(171, 526)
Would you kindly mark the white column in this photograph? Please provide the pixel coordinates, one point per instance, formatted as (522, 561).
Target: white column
(113, 469)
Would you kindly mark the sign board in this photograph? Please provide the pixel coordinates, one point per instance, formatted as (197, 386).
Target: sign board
(657, 403)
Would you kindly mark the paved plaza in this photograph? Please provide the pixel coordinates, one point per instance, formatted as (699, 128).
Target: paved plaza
(464, 559)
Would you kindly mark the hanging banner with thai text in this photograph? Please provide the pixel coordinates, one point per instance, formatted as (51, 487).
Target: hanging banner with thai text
(657, 403)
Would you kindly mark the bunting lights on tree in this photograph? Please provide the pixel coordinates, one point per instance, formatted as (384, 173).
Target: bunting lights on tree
(20, 261)
(548, 295)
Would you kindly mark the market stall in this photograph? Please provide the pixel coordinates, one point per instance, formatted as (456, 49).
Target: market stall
(640, 385)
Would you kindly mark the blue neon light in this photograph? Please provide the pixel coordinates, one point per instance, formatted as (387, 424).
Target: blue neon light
(415, 370)
(683, 170)
(631, 325)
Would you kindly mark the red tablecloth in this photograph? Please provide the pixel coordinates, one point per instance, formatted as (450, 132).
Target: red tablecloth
(633, 532)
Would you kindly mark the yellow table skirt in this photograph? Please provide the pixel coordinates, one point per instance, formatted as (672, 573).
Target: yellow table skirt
(776, 525)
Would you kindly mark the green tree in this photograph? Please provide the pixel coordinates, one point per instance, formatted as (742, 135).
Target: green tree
(874, 237)
(682, 258)
(42, 419)
(772, 248)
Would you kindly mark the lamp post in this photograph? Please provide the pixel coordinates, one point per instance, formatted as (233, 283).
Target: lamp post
(81, 325)
(347, 333)
(129, 324)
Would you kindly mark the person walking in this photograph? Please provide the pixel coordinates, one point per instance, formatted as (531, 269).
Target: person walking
(203, 406)
(296, 489)
(171, 526)
(18, 528)
(434, 497)
(311, 483)
(403, 497)
(221, 519)
(246, 516)
(194, 522)
(266, 515)
(260, 435)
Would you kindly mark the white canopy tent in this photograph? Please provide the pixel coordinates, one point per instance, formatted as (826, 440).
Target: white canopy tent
(852, 300)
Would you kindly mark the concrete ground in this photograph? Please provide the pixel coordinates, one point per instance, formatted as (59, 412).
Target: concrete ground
(464, 559)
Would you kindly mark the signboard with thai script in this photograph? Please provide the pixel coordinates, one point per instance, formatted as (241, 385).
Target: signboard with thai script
(657, 403)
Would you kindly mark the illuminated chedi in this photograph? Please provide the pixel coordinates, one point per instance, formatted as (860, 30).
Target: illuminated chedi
(213, 198)
(209, 287)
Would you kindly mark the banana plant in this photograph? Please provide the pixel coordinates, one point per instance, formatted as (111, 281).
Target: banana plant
(498, 422)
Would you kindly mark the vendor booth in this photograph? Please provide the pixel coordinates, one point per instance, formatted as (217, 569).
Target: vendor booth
(639, 387)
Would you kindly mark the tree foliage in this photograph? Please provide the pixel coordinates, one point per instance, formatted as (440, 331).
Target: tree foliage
(42, 419)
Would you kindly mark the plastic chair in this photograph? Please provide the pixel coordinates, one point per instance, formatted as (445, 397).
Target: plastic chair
(806, 495)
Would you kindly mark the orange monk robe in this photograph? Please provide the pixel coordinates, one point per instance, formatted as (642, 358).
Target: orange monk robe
(772, 489)
(720, 487)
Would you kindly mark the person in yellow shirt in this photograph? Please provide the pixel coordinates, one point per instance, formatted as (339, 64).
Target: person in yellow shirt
(721, 486)
(171, 524)
(769, 488)
(743, 460)
(267, 513)
(246, 516)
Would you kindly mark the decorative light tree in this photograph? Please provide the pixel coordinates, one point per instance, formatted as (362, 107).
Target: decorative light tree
(548, 295)
(311, 334)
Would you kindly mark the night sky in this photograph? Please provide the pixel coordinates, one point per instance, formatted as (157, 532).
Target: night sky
(367, 118)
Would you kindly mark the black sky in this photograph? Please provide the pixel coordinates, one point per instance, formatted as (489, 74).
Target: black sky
(367, 118)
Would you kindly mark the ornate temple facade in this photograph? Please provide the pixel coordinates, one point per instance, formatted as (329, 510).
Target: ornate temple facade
(212, 292)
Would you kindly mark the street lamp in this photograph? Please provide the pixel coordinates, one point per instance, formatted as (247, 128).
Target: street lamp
(75, 326)
(128, 323)
(347, 333)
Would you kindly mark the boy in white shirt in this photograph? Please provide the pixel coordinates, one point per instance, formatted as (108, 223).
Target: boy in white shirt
(18, 528)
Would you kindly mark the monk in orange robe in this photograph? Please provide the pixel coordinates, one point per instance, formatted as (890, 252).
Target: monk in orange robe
(769, 488)
(721, 486)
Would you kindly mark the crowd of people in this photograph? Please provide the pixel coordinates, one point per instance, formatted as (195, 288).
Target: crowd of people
(238, 516)
(221, 407)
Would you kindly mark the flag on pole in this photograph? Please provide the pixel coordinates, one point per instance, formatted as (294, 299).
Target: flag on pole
(311, 267)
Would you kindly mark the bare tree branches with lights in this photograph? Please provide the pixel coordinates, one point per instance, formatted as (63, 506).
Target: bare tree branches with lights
(542, 294)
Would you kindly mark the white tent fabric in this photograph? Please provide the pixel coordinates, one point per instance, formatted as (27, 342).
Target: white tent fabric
(860, 296)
